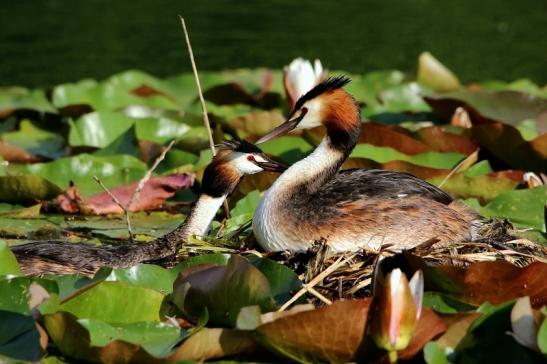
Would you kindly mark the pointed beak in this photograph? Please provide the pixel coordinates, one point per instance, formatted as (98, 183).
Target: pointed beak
(271, 165)
(282, 129)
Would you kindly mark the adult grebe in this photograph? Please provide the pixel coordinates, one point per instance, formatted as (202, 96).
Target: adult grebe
(354, 209)
(220, 178)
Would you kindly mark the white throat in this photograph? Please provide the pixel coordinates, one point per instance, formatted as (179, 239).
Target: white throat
(312, 171)
(199, 220)
(309, 168)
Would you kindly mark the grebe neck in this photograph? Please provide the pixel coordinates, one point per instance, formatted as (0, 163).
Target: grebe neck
(315, 170)
(198, 221)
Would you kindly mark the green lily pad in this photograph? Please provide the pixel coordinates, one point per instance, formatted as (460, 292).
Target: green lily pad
(8, 263)
(20, 189)
(524, 207)
(145, 275)
(289, 149)
(19, 338)
(483, 187)
(223, 290)
(118, 91)
(36, 141)
(157, 338)
(112, 170)
(17, 98)
(116, 302)
(428, 159)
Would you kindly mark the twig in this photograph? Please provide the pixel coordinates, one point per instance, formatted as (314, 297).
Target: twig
(198, 84)
(136, 194)
(469, 160)
(308, 287)
(202, 101)
(117, 202)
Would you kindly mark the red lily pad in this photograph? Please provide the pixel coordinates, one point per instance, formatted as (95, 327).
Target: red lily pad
(154, 194)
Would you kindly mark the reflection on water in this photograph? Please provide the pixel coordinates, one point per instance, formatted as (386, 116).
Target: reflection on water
(51, 41)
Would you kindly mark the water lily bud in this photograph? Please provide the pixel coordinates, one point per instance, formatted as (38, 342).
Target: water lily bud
(397, 311)
(532, 180)
(525, 324)
(461, 118)
(300, 76)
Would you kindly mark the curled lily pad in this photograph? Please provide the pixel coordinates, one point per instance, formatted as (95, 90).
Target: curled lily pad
(25, 188)
(223, 290)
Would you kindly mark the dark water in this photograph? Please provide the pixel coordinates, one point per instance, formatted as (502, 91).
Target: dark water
(44, 42)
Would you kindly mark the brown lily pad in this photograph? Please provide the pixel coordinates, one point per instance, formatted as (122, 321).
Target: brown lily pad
(333, 333)
(154, 194)
(506, 143)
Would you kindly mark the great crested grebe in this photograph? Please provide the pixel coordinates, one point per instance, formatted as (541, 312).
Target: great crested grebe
(353, 209)
(220, 178)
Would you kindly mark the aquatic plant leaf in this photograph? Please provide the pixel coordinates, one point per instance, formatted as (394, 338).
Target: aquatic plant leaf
(524, 207)
(153, 195)
(398, 166)
(494, 281)
(509, 107)
(490, 331)
(36, 140)
(429, 326)
(387, 154)
(19, 98)
(288, 149)
(390, 136)
(145, 275)
(19, 337)
(333, 333)
(211, 343)
(458, 326)
(116, 302)
(485, 187)
(542, 337)
(506, 143)
(8, 263)
(80, 169)
(25, 188)
(256, 123)
(283, 281)
(435, 75)
(223, 290)
(157, 338)
(15, 154)
(115, 93)
(441, 140)
(73, 340)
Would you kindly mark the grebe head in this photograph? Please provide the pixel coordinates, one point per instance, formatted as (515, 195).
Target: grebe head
(234, 160)
(326, 104)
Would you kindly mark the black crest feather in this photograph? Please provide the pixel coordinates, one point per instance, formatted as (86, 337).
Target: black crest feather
(238, 146)
(331, 83)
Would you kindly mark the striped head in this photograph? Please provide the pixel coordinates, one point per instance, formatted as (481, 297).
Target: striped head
(234, 160)
(326, 104)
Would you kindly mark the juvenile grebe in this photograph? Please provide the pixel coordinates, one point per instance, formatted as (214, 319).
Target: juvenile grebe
(353, 209)
(220, 178)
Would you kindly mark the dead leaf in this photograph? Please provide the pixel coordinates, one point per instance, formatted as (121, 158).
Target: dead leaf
(153, 196)
(14, 154)
(391, 136)
(506, 143)
(429, 326)
(442, 141)
(333, 333)
(457, 324)
(213, 343)
(499, 281)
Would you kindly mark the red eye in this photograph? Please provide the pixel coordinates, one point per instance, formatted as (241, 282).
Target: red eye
(304, 110)
(251, 158)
